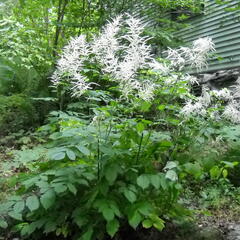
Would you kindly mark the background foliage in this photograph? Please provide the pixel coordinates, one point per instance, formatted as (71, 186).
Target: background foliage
(95, 166)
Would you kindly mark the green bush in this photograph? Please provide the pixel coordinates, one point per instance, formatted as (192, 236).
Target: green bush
(99, 177)
(16, 112)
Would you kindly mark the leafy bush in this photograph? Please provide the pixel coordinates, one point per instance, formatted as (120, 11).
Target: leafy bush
(104, 179)
(15, 79)
(16, 112)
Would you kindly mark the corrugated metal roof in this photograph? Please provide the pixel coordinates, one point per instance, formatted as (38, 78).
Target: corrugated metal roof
(223, 27)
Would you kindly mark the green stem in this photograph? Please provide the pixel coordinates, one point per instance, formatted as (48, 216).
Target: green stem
(98, 159)
(139, 149)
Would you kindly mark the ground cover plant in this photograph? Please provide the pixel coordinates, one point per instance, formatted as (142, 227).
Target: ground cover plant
(128, 138)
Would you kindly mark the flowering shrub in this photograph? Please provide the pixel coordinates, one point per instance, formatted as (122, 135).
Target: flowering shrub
(196, 56)
(124, 164)
(120, 55)
(122, 52)
(215, 104)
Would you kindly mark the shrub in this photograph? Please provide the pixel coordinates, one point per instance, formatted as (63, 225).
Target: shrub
(100, 177)
(16, 112)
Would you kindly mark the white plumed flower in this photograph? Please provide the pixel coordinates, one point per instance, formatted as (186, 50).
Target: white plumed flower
(56, 78)
(201, 49)
(176, 58)
(80, 87)
(162, 68)
(191, 79)
(223, 94)
(106, 45)
(70, 65)
(122, 55)
(146, 91)
(232, 113)
(195, 56)
(205, 99)
(193, 109)
(203, 45)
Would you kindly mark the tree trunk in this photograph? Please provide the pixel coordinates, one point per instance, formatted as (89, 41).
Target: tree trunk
(61, 13)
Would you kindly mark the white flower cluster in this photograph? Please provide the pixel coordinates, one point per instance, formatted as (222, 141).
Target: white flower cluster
(70, 64)
(121, 55)
(159, 67)
(223, 94)
(195, 56)
(210, 99)
(232, 113)
(106, 46)
(191, 79)
(193, 109)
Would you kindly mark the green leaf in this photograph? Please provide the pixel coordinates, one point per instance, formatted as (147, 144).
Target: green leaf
(155, 181)
(145, 106)
(147, 223)
(215, 172)
(172, 175)
(144, 208)
(28, 229)
(59, 187)
(15, 198)
(71, 155)
(111, 173)
(19, 206)
(163, 182)
(161, 107)
(143, 181)
(170, 165)
(87, 235)
(194, 169)
(83, 150)
(15, 215)
(140, 127)
(108, 213)
(48, 199)
(50, 226)
(115, 208)
(104, 187)
(134, 219)
(158, 223)
(24, 230)
(225, 173)
(72, 188)
(58, 156)
(3, 224)
(230, 164)
(112, 227)
(106, 150)
(32, 203)
(130, 195)
(166, 144)
(80, 220)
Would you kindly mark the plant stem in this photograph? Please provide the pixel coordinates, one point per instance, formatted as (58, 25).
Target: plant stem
(98, 159)
(139, 149)
(98, 154)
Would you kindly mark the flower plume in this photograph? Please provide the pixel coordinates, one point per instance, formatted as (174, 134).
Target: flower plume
(195, 56)
(122, 52)
(121, 55)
